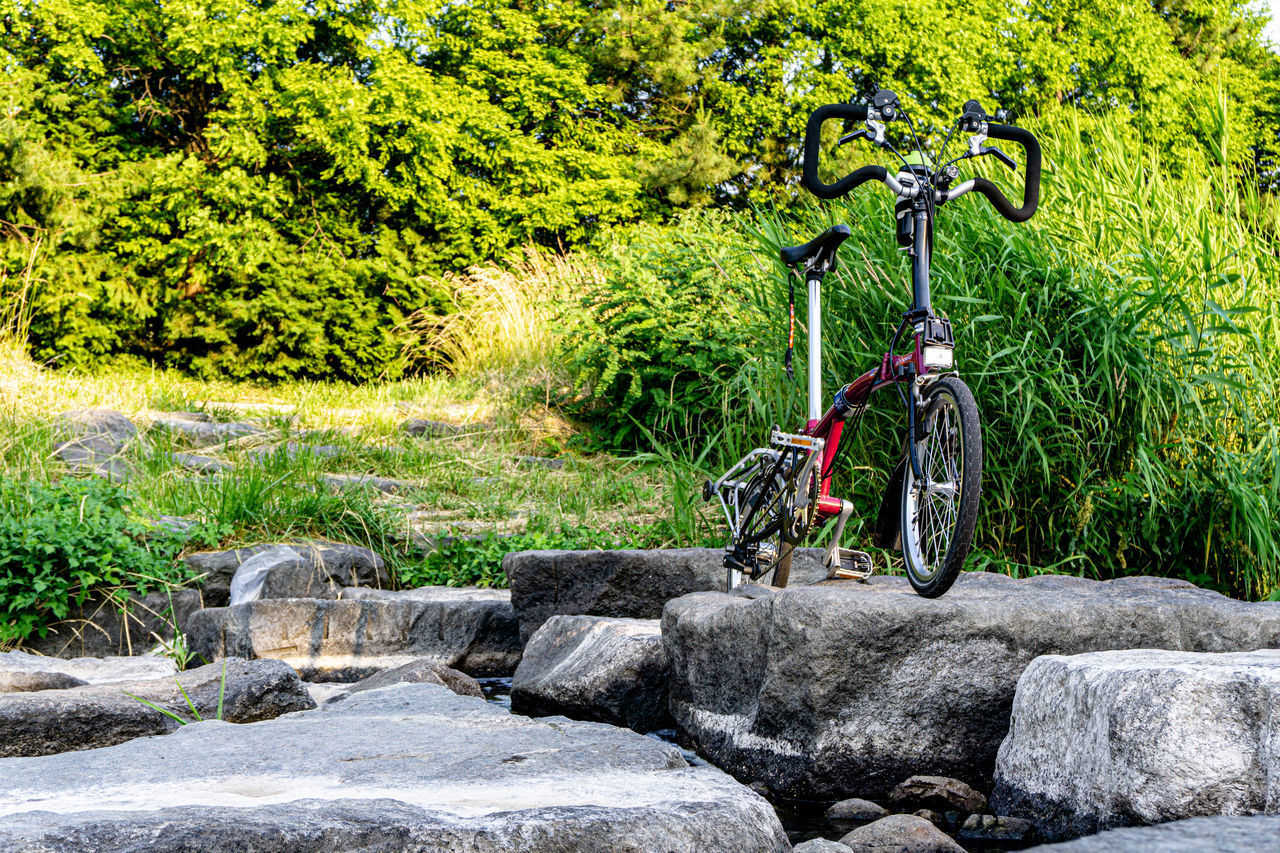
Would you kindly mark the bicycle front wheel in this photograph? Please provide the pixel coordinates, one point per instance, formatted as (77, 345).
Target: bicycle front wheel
(940, 508)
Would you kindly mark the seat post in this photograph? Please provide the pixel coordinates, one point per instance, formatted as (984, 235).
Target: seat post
(814, 280)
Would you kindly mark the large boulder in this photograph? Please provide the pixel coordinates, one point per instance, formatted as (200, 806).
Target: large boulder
(1195, 835)
(595, 668)
(472, 630)
(412, 767)
(87, 717)
(847, 688)
(302, 569)
(1132, 737)
(21, 672)
(93, 439)
(624, 584)
(102, 626)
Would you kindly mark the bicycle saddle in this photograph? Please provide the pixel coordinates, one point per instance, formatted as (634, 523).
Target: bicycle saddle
(820, 252)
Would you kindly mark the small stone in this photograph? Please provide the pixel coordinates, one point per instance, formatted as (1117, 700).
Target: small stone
(760, 788)
(901, 833)
(992, 828)
(539, 462)
(423, 671)
(856, 809)
(430, 429)
(938, 792)
(931, 816)
(820, 845)
(197, 463)
(29, 682)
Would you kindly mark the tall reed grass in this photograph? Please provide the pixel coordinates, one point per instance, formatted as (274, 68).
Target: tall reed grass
(505, 315)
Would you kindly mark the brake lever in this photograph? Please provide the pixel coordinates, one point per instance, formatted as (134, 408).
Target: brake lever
(1001, 156)
(857, 134)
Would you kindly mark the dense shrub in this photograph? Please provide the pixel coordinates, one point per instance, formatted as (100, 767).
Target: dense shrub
(668, 319)
(61, 542)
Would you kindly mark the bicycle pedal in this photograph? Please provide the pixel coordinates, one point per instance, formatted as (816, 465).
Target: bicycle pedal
(851, 565)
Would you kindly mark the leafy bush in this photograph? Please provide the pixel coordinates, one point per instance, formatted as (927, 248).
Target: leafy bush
(669, 316)
(62, 542)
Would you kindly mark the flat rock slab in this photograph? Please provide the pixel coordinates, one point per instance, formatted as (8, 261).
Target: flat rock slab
(412, 767)
(1195, 835)
(79, 718)
(302, 569)
(595, 668)
(470, 630)
(1135, 737)
(386, 485)
(200, 431)
(846, 689)
(632, 584)
(21, 672)
(430, 429)
(197, 463)
(101, 627)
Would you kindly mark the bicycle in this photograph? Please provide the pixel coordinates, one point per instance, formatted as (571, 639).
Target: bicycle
(775, 496)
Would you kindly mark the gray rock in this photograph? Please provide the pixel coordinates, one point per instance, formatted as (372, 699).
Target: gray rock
(1143, 736)
(595, 668)
(624, 584)
(79, 718)
(386, 485)
(820, 845)
(158, 524)
(92, 439)
(420, 672)
(1196, 835)
(985, 827)
(856, 809)
(470, 630)
(197, 463)
(937, 792)
(101, 628)
(30, 682)
(430, 429)
(546, 462)
(412, 767)
(778, 687)
(305, 569)
(200, 431)
(21, 672)
(291, 450)
(900, 833)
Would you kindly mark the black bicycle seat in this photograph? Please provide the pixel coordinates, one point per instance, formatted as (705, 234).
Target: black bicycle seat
(818, 252)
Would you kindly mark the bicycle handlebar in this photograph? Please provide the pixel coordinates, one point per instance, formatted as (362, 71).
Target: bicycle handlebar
(858, 112)
(813, 149)
(1031, 190)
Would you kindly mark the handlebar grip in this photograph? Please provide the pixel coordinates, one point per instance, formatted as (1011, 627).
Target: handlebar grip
(1031, 189)
(813, 150)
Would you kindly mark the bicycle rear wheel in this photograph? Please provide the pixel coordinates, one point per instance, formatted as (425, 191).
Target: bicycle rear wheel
(940, 508)
(762, 550)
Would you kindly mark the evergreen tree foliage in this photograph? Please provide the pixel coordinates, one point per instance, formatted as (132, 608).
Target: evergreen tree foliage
(269, 188)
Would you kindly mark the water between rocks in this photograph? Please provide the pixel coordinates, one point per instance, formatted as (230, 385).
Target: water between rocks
(802, 820)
